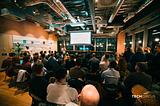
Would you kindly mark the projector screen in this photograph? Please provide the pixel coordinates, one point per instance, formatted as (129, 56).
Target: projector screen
(83, 37)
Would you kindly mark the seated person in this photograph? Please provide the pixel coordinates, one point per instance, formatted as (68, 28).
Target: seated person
(71, 63)
(84, 61)
(15, 66)
(77, 72)
(110, 76)
(93, 75)
(44, 60)
(88, 97)
(93, 59)
(139, 77)
(127, 54)
(26, 65)
(7, 61)
(111, 58)
(38, 85)
(149, 55)
(59, 92)
(51, 62)
(104, 64)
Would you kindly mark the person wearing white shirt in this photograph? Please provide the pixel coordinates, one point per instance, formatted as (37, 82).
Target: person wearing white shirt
(104, 64)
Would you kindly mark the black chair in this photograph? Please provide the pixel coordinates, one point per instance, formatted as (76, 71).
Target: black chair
(36, 101)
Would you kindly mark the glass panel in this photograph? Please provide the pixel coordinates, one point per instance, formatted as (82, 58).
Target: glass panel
(128, 41)
(60, 43)
(138, 39)
(68, 47)
(100, 44)
(112, 44)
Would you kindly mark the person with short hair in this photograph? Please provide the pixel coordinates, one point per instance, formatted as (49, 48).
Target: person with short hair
(44, 60)
(38, 84)
(77, 72)
(138, 77)
(89, 96)
(84, 61)
(110, 76)
(51, 62)
(71, 63)
(59, 92)
(104, 64)
(35, 60)
(93, 75)
(7, 61)
(111, 57)
(127, 54)
(137, 57)
(93, 59)
(149, 55)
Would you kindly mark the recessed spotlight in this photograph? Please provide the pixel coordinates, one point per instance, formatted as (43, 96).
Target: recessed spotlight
(157, 39)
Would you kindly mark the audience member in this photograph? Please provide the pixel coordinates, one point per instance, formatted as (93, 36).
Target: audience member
(122, 68)
(56, 55)
(93, 59)
(35, 60)
(60, 62)
(148, 54)
(63, 50)
(49, 54)
(104, 64)
(111, 57)
(7, 61)
(137, 57)
(38, 84)
(110, 76)
(139, 77)
(71, 63)
(51, 62)
(46, 55)
(59, 92)
(88, 56)
(127, 54)
(15, 66)
(93, 75)
(44, 60)
(84, 61)
(26, 65)
(77, 72)
(89, 96)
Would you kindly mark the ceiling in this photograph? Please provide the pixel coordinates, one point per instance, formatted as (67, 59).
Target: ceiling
(103, 17)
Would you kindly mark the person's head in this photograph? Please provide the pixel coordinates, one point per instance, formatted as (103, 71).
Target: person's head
(26, 59)
(59, 62)
(63, 46)
(94, 55)
(139, 49)
(141, 67)
(45, 52)
(83, 56)
(49, 51)
(112, 64)
(15, 60)
(106, 56)
(61, 74)
(128, 49)
(78, 61)
(38, 69)
(122, 64)
(36, 54)
(89, 96)
(52, 55)
(95, 67)
(43, 56)
(72, 57)
(157, 48)
(79, 53)
(41, 52)
(11, 54)
(147, 49)
(36, 59)
(111, 55)
(27, 47)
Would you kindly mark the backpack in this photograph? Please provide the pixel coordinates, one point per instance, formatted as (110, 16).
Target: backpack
(7, 70)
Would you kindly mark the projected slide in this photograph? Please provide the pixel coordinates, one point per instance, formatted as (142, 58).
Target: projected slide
(80, 38)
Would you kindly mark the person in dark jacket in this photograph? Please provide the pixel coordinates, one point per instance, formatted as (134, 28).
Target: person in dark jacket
(51, 62)
(7, 61)
(38, 84)
(26, 65)
(71, 63)
(137, 57)
(127, 54)
(84, 61)
(149, 55)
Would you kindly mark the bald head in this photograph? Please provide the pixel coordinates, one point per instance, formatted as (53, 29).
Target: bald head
(89, 96)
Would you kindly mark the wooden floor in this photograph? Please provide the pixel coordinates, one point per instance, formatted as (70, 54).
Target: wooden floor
(12, 96)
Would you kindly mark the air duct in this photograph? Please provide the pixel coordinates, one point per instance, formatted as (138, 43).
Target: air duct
(130, 15)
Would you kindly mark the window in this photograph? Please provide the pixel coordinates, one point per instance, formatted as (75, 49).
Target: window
(112, 44)
(60, 44)
(100, 44)
(138, 39)
(128, 41)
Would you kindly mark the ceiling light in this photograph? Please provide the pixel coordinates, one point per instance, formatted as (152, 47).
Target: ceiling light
(96, 0)
(139, 41)
(124, 43)
(157, 39)
(109, 44)
(77, 24)
(57, 0)
(67, 44)
(60, 44)
(130, 42)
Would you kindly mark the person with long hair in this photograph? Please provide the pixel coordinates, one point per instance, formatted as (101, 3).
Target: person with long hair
(26, 65)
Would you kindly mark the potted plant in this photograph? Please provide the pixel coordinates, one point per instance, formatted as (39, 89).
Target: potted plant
(18, 47)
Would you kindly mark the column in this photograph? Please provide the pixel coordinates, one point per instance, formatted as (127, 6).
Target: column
(133, 41)
(95, 45)
(120, 44)
(83, 47)
(106, 44)
(145, 38)
(73, 47)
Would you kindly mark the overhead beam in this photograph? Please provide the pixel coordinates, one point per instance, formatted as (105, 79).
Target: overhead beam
(116, 9)
(91, 7)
